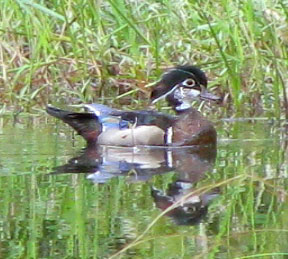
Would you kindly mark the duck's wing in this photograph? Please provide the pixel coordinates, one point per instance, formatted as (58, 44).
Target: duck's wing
(137, 118)
(86, 124)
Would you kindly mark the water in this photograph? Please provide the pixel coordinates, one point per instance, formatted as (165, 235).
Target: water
(59, 201)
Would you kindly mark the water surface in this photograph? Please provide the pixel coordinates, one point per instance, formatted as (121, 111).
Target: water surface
(58, 200)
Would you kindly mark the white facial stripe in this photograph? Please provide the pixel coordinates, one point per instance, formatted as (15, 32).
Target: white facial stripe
(185, 96)
(164, 95)
(183, 71)
(179, 94)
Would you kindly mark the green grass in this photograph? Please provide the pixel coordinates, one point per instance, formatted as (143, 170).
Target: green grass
(83, 50)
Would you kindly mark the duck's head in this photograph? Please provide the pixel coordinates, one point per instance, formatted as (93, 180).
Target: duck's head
(182, 85)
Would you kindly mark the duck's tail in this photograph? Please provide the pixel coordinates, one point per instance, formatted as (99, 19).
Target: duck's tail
(86, 124)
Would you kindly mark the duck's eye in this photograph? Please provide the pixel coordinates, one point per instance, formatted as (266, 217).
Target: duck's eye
(189, 82)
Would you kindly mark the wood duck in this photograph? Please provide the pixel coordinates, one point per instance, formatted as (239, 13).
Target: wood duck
(179, 86)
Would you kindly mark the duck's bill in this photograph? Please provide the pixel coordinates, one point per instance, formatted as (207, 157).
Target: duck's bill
(206, 96)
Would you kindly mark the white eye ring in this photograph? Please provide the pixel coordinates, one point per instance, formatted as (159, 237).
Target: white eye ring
(189, 82)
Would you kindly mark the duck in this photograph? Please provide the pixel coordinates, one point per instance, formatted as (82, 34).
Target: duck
(179, 86)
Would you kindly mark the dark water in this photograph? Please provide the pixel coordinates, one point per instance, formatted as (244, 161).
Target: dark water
(59, 201)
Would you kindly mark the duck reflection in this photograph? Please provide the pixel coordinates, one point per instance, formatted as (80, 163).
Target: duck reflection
(191, 210)
(190, 164)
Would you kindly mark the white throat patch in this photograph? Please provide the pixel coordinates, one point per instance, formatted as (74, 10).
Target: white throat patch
(185, 96)
(183, 106)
